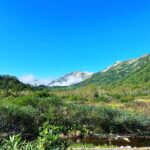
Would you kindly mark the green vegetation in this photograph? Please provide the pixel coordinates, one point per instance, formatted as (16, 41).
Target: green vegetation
(133, 72)
(113, 102)
(48, 139)
(10, 85)
(91, 146)
(55, 114)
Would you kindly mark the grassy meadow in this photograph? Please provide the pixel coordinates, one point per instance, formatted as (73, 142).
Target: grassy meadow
(46, 118)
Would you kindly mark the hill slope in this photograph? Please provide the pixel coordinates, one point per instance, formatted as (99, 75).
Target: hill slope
(10, 82)
(135, 71)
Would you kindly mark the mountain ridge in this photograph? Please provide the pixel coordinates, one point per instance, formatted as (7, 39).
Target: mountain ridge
(66, 80)
(118, 72)
(71, 79)
(133, 71)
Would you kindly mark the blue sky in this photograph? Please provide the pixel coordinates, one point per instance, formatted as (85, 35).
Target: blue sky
(49, 38)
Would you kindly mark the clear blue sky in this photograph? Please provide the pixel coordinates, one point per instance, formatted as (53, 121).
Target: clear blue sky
(49, 38)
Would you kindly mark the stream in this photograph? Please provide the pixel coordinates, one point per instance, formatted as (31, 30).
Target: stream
(115, 141)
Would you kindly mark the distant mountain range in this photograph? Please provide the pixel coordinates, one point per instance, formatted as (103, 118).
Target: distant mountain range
(67, 80)
(71, 79)
(135, 72)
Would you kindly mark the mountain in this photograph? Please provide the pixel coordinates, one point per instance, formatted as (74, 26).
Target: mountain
(11, 82)
(67, 80)
(31, 79)
(134, 71)
(71, 79)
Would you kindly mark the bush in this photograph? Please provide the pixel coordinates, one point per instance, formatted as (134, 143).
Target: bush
(48, 139)
(15, 143)
(24, 119)
(128, 123)
(127, 98)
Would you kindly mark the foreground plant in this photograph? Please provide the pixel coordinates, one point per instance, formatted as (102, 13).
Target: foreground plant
(48, 140)
(13, 143)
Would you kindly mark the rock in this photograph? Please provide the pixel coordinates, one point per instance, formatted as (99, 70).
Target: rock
(78, 140)
(78, 133)
(126, 139)
(117, 137)
(128, 147)
(62, 136)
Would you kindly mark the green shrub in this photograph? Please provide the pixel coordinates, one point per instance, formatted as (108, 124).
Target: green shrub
(49, 138)
(129, 123)
(24, 119)
(127, 98)
(16, 143)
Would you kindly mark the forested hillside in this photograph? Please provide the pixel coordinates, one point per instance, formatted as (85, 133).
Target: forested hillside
(11, 85)
(135, 72)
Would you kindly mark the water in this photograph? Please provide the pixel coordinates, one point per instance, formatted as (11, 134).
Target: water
(131, 141)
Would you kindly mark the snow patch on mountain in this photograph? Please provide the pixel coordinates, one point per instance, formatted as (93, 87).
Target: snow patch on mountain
(67, 80)
(110, 67)
(71, 79)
